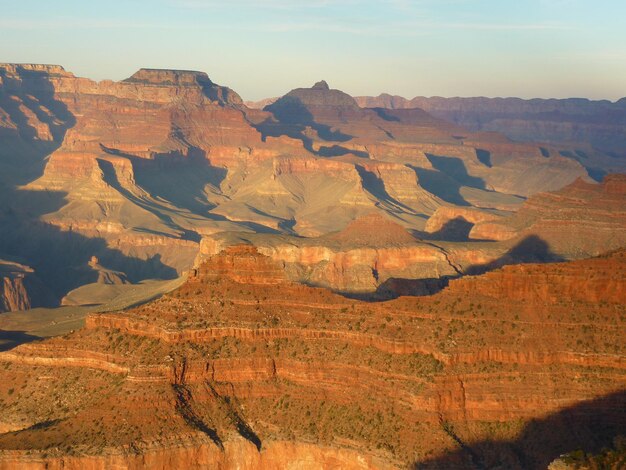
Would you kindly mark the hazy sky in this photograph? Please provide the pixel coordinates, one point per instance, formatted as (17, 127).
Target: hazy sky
(526, 48)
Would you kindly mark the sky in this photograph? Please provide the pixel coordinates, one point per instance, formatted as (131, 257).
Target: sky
(524, 48)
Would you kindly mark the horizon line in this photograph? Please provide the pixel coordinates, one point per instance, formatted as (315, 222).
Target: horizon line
(383, 93)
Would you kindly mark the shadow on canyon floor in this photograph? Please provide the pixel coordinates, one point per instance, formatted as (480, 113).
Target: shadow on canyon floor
(375, 185)
(455, 168)
(588, 426)
(531, 249)
(58, 256)
(484, 157)
(161, 178)
(448, 175)
(293, 119)
(454, 230)
(11, 339)
(385, 115)
(441, 185)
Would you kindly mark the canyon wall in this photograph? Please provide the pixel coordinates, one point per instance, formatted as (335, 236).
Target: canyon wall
(242, 369)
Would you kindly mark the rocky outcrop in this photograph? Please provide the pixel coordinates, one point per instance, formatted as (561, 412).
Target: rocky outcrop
(360, 259)
(551, 283)
(13, 295)
(582, 219)
(107, 276)
(242, 264)
(235, 371)
(20, 289)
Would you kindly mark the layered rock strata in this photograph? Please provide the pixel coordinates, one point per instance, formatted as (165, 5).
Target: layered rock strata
(582, 219)
(137, 172)
(241, 368)
(582, 122)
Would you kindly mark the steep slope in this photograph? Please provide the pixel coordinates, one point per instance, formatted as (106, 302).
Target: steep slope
(240, 368)
(137, 172)
(20, 289)
(582, 219)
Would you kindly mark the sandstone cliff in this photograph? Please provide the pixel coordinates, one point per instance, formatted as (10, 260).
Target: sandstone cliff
(20, 289)
(231, 370)
(582, 219)
(138, 172)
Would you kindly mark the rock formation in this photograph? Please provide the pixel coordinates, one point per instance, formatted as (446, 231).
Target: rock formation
(106, 276)
(377, 256)
(20, 289)
(591, 132)
(494, 352)
(138, 172)
(582, 219)
(239, 368)
(358, 259)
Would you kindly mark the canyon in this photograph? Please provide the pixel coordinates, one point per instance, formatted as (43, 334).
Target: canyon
(593, 130)
(374, 254)
(145, 172)
(242, 368)
(191, 280)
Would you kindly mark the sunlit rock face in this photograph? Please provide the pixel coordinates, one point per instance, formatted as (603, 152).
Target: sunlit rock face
(240, 368)
(147, 172)
(581, 220)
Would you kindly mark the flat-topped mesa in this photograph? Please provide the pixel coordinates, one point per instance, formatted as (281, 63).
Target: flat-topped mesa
(34, 69)
(170, 77)
(242, 264)
(185, 78)
(373, 230)
(38, 80)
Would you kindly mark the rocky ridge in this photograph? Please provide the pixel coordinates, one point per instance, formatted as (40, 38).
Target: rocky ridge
(591, 131)
(138, 172)
(227, 370)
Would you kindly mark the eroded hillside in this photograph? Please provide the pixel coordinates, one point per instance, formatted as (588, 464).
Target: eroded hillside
(138, 172)
(241, 368)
